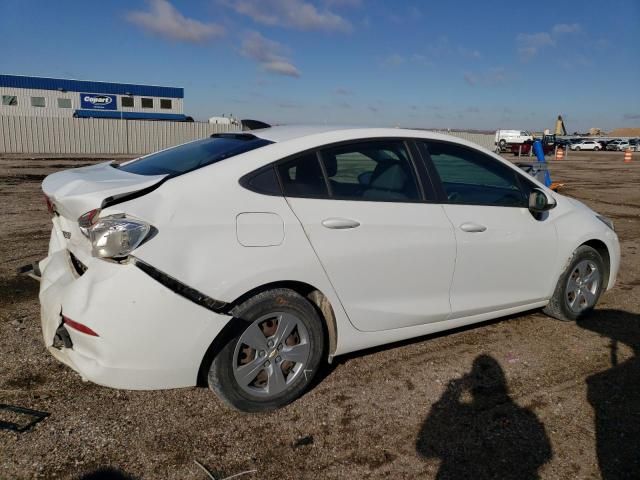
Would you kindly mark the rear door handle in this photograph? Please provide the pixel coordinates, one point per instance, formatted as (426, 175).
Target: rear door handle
(472, 227)
(340, 223)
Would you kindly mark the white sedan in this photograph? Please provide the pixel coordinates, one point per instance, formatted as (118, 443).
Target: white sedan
(245, 260)
(586, 145)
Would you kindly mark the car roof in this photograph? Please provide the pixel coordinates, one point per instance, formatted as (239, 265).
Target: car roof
(285, 133)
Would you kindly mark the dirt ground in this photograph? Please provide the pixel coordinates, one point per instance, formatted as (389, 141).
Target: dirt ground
(517, 398)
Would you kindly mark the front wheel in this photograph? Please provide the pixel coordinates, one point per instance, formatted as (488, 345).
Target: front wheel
(274, 354)
(577, 149)
(579, 287)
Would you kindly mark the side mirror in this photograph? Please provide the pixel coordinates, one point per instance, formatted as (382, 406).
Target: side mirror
(539, 201)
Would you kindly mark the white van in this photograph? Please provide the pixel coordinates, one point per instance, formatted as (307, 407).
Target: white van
(503, 137)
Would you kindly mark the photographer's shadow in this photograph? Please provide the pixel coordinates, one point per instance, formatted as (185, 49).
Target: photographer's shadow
(479, 432)
(614, 395)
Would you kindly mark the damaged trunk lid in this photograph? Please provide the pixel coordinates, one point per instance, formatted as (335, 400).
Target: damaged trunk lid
(76, 191)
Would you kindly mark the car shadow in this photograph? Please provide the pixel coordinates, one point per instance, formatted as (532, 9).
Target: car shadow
(106, 473)
(327, 369)
(477, 431)
(614, 395)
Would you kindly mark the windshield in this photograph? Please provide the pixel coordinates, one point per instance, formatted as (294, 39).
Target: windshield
(190, 156)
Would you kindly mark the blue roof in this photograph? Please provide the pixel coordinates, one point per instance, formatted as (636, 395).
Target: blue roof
(45, 83)
(129, 115)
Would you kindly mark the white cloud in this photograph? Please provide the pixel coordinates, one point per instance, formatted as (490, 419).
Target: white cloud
(296, 14)
(269, 54)
(343, 3)
(529, 44)
(165, 21)
(343, 91)
(393, 60)
(565, 28)
(490, 78)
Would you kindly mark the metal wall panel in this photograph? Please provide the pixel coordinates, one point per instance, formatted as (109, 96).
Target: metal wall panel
(59, 135)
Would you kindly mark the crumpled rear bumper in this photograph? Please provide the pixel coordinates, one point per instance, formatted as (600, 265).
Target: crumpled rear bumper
(149, 337)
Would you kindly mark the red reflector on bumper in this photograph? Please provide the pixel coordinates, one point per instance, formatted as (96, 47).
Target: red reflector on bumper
(78, 326)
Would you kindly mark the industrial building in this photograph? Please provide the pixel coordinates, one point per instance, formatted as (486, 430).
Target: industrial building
(26, 96)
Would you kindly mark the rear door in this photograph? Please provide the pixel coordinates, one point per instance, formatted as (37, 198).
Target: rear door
(388, 250)
(505, 256)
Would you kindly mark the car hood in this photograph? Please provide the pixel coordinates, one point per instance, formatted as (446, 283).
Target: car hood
(78, 190)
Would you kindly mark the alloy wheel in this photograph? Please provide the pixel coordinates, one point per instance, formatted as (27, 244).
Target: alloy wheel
(582, 286)
(271, 354)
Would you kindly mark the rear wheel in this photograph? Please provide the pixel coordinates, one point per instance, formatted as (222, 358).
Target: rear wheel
(596, 148)
(274, 354)
(579, 287)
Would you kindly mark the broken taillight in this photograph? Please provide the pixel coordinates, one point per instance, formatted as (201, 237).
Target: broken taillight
(50, 206)
(89, 218)
(78, 326)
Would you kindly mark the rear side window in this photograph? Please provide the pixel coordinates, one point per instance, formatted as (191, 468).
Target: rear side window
(302, 177)
(371, 171)
(473, 178)
(190, 156)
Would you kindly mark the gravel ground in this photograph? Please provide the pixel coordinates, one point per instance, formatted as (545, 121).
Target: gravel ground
(522, 397)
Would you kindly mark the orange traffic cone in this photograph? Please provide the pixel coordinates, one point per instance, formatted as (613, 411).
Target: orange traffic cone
(560, 153)
(627, 155)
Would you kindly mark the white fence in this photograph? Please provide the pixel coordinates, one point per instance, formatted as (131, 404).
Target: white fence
(485, 140)
(50, 135)
(73, 136)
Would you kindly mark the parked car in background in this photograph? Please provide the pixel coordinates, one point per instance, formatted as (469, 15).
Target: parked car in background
(623, 145)
(586, 145)
(245, 260)
(613, 144)
(634, 144)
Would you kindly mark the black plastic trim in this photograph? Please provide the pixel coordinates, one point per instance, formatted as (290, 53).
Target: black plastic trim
(181, 289)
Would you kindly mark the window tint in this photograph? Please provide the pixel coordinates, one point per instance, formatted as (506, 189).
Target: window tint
(10, 100)
(193, 155)
(64, 103)
(302, 177)
(37, 102)
(165, 103)
(146, 102)
(371, 171)
(471, 177)
(126, 101)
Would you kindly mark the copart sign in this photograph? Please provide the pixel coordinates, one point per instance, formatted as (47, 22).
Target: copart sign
(94, 101)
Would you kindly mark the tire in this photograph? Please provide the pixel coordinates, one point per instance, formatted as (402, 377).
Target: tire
(280, 365)
(577, 149)
(596, 148)
(502, 143)
(560, 305)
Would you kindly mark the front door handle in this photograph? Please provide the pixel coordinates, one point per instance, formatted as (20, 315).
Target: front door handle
(472, 227)
(340, 223)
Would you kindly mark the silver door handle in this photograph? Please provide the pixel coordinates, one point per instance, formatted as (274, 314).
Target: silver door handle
(472, 227)
(340, 223)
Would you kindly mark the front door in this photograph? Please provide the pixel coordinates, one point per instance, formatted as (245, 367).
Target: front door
(505, 256)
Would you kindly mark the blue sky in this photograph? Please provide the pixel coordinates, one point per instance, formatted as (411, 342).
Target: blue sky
(465, 64)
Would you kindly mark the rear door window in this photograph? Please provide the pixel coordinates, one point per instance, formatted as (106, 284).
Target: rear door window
(371, 171)
(191, 156)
